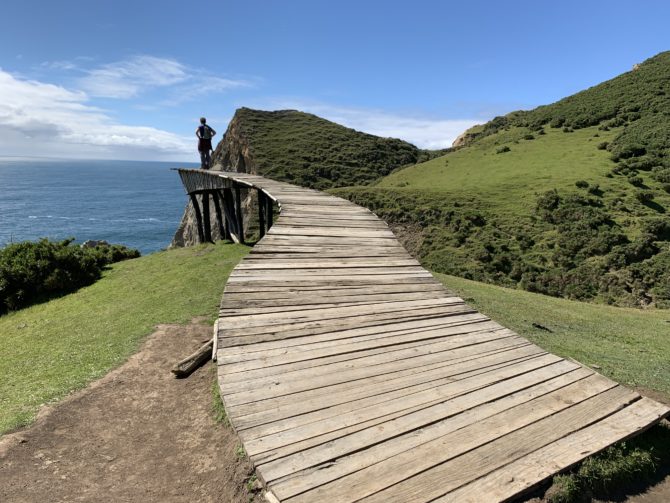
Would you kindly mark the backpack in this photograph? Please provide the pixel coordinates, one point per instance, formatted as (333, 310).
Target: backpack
(205, 132)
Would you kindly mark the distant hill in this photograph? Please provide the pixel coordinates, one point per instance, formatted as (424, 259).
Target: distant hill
(302, 148)
(569, 199)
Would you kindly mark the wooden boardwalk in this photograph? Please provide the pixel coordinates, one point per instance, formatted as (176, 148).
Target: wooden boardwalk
(351, 374)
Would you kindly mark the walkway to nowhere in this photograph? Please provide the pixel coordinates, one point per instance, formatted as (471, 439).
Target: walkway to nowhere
(350, 374)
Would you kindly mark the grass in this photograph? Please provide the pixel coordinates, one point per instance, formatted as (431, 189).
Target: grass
(510, 181)
(218, 409)
(51, 349)
(630, 346)
(622, 469)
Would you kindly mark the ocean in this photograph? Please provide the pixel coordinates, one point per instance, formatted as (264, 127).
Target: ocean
(134, 203)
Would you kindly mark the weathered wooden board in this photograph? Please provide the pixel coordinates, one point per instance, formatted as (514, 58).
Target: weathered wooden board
(351, 374)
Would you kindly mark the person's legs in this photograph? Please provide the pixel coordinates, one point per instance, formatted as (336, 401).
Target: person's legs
(204, 159)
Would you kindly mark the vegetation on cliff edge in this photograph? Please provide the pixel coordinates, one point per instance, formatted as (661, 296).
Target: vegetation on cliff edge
(307, 150)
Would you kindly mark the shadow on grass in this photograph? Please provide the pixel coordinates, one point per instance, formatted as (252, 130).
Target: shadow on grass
(653, 205)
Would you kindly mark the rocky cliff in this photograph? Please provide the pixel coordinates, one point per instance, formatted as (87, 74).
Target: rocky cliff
(303, 149)
(233, 153)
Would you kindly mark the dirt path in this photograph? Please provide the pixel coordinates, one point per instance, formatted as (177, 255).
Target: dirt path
(135, 435)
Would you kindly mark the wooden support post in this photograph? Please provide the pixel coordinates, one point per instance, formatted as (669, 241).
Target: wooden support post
(206, 219)
(219, 215)
(226, 218)
(238, 214)
(229, 212)
(198, 216)
(268, 212)
(261, 212)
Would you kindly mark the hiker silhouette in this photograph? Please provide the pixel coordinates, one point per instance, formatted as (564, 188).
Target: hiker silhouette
(205, 135)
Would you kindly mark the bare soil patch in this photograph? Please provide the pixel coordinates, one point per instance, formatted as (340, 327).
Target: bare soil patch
(138, 434)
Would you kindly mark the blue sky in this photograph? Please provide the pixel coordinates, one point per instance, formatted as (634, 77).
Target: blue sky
(128, 80)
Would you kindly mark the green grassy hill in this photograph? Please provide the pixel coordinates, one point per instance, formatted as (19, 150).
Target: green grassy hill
(569, 199)
(302, 148)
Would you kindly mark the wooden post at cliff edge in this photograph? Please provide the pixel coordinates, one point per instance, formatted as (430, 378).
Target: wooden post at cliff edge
(229, 211)
(206, 219)
(219, 218)
(198, 217)
(268, 212)
(261, 213)
(238, 214)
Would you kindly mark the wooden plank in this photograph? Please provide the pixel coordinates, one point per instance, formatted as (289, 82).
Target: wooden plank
(324, 263)
(422, 330)
(419, 394)
(267, 319)
(461, 328)
(306, 301)
(397, 345)
(525, 473)
(496, 397)
(463, 431)
(411, 339)
(244, 334)
(424, 360)
(433, 469)
(342, 393)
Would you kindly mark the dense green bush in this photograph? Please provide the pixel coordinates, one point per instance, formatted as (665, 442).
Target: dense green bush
(34, 271)
(644, 196)
(571, 248)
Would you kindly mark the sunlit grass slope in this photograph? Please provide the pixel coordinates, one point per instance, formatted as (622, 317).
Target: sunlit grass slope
(510, 181)
(51, 349)
(628, 345)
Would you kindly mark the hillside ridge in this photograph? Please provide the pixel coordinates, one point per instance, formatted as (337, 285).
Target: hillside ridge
(568, 199)
(302, 148)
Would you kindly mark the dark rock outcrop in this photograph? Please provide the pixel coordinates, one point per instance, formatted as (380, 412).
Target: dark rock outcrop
(233, 153)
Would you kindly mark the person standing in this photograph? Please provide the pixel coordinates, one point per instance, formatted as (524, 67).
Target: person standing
(205, 135)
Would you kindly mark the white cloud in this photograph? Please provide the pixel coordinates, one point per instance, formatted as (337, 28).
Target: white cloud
(126, 79)
(37, 118)
(424, 132)
(130, 78)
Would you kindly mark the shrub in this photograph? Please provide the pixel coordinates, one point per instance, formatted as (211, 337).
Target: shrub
(635, 180)
(557, 122)
(502, 150)
(595, 190)
(528, 137)
(658, 228)
(661, 175)
(644, 196)
(582, 184)
(603, 145)
(32, 272)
